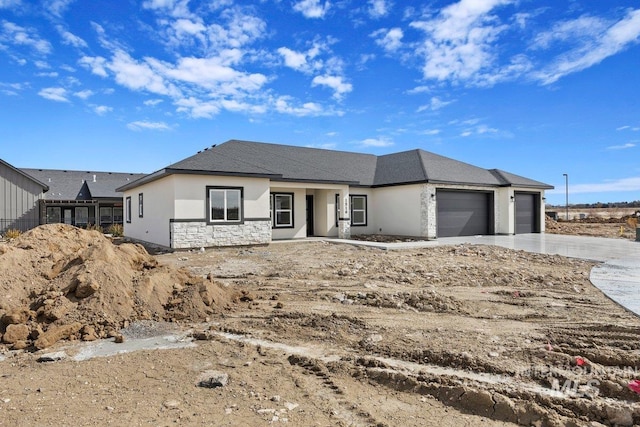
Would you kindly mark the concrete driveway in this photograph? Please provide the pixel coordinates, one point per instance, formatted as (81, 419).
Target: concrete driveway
(618, 276)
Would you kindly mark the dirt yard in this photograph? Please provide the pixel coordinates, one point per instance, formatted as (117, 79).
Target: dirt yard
(320, 334)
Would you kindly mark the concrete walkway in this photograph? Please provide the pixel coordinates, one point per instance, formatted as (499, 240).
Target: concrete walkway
(618, 276)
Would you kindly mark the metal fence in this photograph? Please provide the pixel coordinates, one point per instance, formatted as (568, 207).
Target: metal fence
(17, 224)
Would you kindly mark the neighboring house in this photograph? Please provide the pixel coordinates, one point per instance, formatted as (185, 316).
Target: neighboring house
(81, 198)
(20, 194)
(242, 193)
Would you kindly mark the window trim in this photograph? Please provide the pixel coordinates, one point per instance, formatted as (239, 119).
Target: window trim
(274, 211)
(224, 221)
(127, 212)
(140, 205)
(337, 210)
(365, 210)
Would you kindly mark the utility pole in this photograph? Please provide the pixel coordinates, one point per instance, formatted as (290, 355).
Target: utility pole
(566, 187)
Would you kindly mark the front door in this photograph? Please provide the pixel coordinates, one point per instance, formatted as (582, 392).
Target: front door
(309, 216)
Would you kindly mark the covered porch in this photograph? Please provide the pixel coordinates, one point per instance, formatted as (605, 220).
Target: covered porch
(301, 210)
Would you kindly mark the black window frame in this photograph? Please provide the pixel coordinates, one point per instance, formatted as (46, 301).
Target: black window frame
(273, 210)
(140, 205)
(365, 210)
(225, 221)
(127, 212)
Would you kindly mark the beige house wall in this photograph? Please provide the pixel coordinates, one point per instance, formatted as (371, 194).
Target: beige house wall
(158, 208)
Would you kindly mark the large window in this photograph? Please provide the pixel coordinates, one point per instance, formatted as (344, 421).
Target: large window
(359, 210)
(106, 215)
(225, 204)
(54, 215)
(82, 216)
(282, 210)
(127, 211)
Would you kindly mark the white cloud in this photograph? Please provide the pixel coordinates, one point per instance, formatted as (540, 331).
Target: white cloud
(617, 185)
(312, 8)
(378, 8)
(466, 133)
(293, 59)
(101, 110)
(5, 4)
(84, 94)
(434, 104)
(22, 36)
(138, 75)
(197, 108)
(146, 125)
(459, 41)
(623, 127)
(621, 147)
(11, 89)
(389, 40)
(596, 40)
(175, 8)
(70, 39)
(430, 132)
(419, 89)
(376, 142)
(95, 64)
(57, 7)
(282, 105)
(152, 102)
(58, 94)
(334, 82)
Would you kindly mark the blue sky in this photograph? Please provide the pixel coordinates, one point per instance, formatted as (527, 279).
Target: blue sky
(534, 87)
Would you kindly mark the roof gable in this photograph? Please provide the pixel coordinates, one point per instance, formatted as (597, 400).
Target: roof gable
(81, 185)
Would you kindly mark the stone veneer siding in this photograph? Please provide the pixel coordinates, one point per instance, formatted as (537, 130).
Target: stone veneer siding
(186, 235)
(344, 229)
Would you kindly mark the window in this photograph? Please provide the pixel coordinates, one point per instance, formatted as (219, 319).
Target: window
(225, 204)
(82, 216)
(282, 210)
(54, 215)
(117, 214)
(358, 210)
(106, 215)
(128, 209)
(337, 209)
(140, 205)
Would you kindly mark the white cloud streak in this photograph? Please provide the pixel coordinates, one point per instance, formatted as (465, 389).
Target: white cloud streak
(340, 88)
(378, 8)
(376, 142)
(622, 147)
(459, 40)
(312, 8)
(610, 186)
(596, 40)
(57, 94)
(21, 36)
(147, 125)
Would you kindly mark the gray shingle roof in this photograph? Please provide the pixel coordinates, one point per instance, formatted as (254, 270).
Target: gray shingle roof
(81, 185)
(301, 164)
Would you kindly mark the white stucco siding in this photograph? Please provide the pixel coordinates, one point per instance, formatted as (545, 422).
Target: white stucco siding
(158, 209)
(396, 210)
(191, 195)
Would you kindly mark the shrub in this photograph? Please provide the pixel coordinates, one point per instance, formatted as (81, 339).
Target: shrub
(95, 227)
(116, 230)
(12, 233)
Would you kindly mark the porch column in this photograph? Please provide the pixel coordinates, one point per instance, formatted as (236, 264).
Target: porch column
(344, 218)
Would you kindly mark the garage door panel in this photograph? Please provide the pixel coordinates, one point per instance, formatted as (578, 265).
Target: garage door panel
(526, 213)
(463, 213)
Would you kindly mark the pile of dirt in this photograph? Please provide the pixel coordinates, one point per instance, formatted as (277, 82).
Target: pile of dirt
(58, 281)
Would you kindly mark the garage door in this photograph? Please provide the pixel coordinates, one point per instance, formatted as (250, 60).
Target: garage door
(464, 213)
(526, 213)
